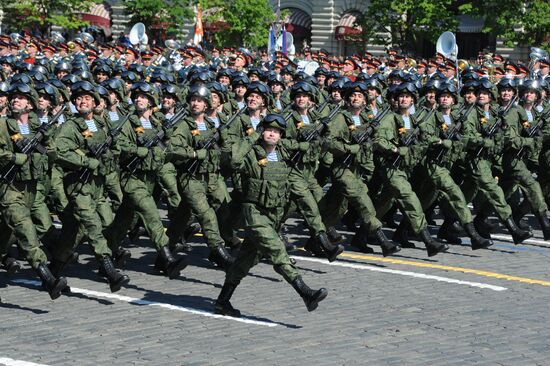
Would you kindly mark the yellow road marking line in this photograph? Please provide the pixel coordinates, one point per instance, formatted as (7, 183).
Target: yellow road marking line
(448, 268)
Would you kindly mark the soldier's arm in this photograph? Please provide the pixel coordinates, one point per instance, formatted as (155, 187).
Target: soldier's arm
(336, 139)
(384, 136)
(512, 137)
(240, 150)
(68, 153)
(179, 148)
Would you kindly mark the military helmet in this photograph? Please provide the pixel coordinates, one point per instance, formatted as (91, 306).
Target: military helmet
(470, 85)
(41, 69)
(373, 83)
(200, 91)
(70, 79)
(47, 89)
(130, 77)
(137, 69)
(103, 93)
(4, 88)
(147, 89)
(84, 87)
(407, 88)
(22, 78)
(532, 84)
(485, 85)
(102, 68)
(355, 87)
(171, 90)
(61, 88)
(219, 89)
(225, 72)
(431, 85)
(201, 77)
(507, 82)
(260, 88)
(449, 88)
(24, 89)
(116, 86)
(240, 80)
(320, 71)
(302, 87)
(338, 84)
(276, 79)
(275, 121)
(362, 77)
(22, 66)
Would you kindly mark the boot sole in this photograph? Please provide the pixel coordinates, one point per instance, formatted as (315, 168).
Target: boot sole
(322, 294)
(389, 251)
(59, 285)
(118, 285)
(433, 252)
(173, 271)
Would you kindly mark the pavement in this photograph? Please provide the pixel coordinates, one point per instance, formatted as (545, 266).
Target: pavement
(463, 307)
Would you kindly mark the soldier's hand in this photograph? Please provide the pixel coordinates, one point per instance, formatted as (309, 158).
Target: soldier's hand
(93, 163)
(201, 154)
(19, 159)
(142, 152)
(403, 151)
(488, 143)
(353, 149)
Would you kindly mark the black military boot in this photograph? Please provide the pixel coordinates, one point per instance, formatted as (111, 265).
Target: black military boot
(222, 305)
(121, 256)
(167, 263)
(544, 224)
(50, 283)
(517, 214)
(350, 220)
(179, 245)
(518, 235)
(432, 246)
(400, 235)
(478, 242)
(135, 233)
(359, 242)
(483, 227)
(311, 298)
(447, 233)
(334, 236)
(331, 251)
(388, 247)
(389, 218)
(57, 266)
(221, 257)
(191, 230)
(313, 247)
(115, 278)
(11, 265)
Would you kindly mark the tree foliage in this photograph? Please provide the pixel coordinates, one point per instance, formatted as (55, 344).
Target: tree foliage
(170, 13)
(42, 14)
(247, 21)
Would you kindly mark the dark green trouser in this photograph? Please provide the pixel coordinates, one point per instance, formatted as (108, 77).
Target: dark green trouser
(203, 195)
(544, 174)
(113, 190)
(516, 175)
(81, 217)
(15, 203)
(169, 184)
(478, 176)
(138, 198)
(261, 226)
(396, 185)
(58, 198)
(432, 181)
(40, 213)
(349, 186)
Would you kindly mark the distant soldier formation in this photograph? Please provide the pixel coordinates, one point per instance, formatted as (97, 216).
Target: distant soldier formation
(232, 143)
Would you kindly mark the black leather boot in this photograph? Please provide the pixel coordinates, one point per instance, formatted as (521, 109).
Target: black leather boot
(50, 283)
(388, 247)
(222, 305)
(57, 266)
(167, 263)
(446, 233)
(478, 242)
(400, 235)
(191, 230)
(221, 257)
(115, 278)
(483, 227)
(359, 242)
(313, 247)
(432, 246)
(311, 298)
(334, 236)
(518, 235)
(331, 251)
(544, 224)
(177, 246)
(11, 265)
(121, 256)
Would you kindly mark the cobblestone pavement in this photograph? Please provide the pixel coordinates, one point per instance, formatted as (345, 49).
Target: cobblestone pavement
(487, 307)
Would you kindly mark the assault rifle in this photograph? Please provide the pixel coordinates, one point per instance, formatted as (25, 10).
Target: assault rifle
(498, 123)
(317, 131)
(453, 133)
(412, 137)
(157, 139)
(27, 146)
(534, 131)
(100, 149)
(367, 134)
(193, 165)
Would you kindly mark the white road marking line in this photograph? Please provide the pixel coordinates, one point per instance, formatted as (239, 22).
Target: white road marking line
(11, 362)
(527, 241)
(402, 273)
(132, 300)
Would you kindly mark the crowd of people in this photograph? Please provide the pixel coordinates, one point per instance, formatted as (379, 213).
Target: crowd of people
(101, 136)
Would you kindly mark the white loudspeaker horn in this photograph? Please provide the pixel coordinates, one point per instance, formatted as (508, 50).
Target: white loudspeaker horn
(137, 33)
(289, 43)
(446, 45)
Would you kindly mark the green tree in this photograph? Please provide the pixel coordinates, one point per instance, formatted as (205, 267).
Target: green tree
(149, 12)
(407, 21)
(247, 21)
(42, 14)
(516, 21)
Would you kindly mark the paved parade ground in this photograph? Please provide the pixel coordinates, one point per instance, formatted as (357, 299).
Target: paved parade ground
(488, 307)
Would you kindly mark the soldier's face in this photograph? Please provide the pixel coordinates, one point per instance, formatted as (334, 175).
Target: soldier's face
(357, 100)
(430, 96)
(216, 101)
(168, 101)
(240, 90)
(224, 80)
(254, 77)
(44, 103)
(198, 105)
(271, 136)
(405, 101)
(19, 102)
(530, 96)
(321, 79)
(483, 97)
(141, 101)
(302, 100)
(60, 74)
(336, 96)
(3, 101)
(84, 103)
(446, 100)
(255, 101)
(506, 94)
(470, 97)
(101, 77)
(373, 94)
(276, 88)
